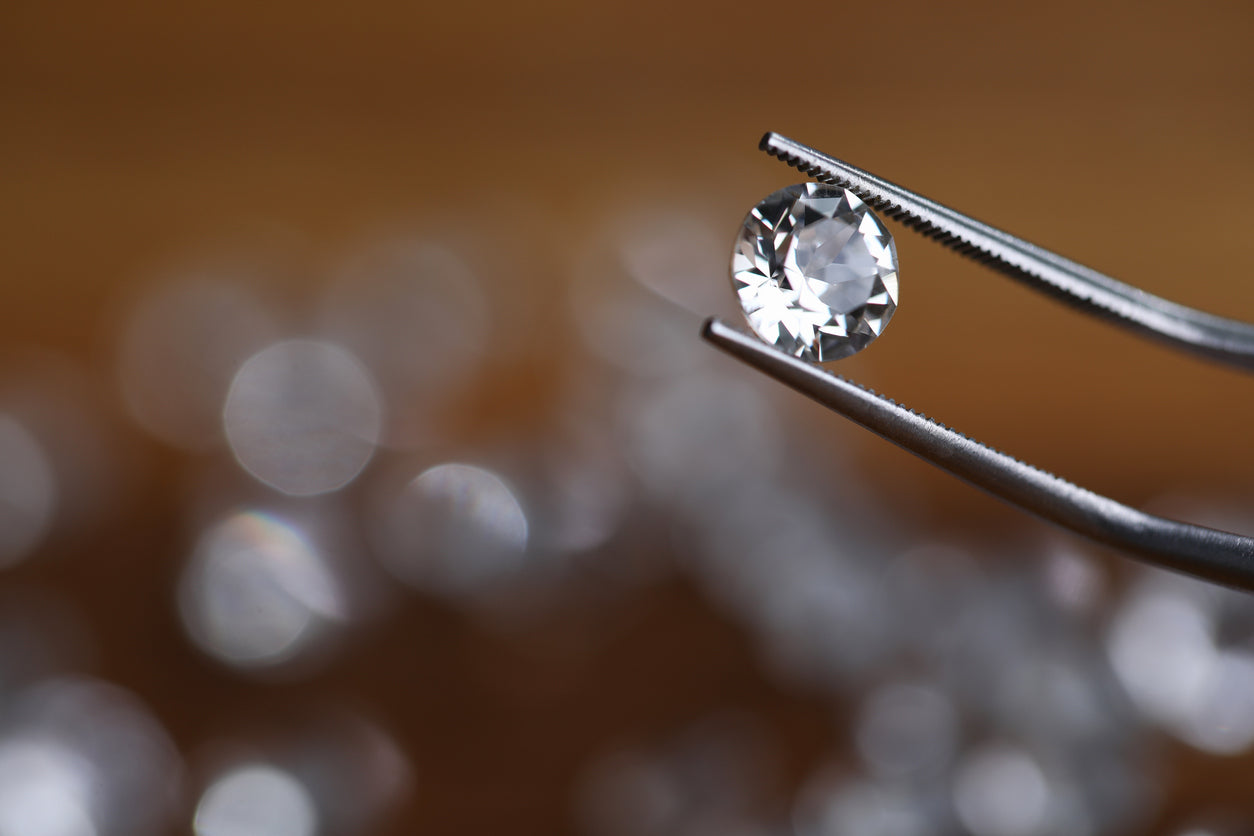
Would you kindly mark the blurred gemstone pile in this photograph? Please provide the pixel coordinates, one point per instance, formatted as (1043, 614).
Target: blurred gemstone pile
(327, 478)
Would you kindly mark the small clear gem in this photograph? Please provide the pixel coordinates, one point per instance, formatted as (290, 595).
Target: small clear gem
(815, 271)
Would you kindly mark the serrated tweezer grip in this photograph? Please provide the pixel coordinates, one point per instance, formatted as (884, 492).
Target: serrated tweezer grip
(1225, 340)
(1204, 552)
(1207, 553)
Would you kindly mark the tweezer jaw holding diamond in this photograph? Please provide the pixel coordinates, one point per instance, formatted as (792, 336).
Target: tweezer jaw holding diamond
(1224, 340)
(1213, 555)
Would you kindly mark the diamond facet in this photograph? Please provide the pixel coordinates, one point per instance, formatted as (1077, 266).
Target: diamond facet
(815, 271)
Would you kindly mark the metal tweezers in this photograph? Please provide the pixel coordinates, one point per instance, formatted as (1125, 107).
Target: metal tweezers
(1214, 555)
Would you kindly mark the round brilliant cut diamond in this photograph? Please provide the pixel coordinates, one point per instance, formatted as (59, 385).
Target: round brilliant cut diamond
(815, 271)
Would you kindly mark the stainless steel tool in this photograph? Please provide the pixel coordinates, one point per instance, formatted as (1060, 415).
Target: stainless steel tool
(1208, 553)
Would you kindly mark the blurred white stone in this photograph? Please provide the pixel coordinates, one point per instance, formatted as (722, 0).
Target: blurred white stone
(84, 758)
(1061, 700)
(303, 416)
(256, 800)
(179, 348)
(455, 529)
(906, 728)
(45, 790)
(257, 593)
(1000, 790)
(355, 770)
(1161, 644)
(860, 807)
(1220, 718)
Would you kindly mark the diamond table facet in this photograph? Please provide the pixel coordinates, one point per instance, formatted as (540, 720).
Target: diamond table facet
(815, 271)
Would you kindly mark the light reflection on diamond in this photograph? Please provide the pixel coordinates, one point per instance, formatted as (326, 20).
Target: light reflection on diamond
(815, 271)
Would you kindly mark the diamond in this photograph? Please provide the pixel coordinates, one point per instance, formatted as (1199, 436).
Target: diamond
(815, 271)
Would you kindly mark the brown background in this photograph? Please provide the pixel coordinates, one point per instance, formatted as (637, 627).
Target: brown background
(1120, 135)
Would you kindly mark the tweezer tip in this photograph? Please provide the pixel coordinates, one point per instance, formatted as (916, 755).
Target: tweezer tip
(768, 139)
(707, 327)
(714, 330)
(740, 345)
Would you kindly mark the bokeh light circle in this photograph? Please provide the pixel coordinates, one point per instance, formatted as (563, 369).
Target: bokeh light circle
(257, 592)
(455, 529)
(256, 800)
(179, 348)
(303, 416)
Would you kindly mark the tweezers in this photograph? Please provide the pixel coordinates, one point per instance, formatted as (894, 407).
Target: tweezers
(1207, 553)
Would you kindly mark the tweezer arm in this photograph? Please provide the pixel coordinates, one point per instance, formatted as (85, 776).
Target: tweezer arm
(1225, 340)
(1207, 553)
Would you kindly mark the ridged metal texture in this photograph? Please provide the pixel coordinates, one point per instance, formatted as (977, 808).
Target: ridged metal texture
(1224, 340)
(1214, 555)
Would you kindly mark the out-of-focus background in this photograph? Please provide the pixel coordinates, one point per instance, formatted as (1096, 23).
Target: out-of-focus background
(361, 470)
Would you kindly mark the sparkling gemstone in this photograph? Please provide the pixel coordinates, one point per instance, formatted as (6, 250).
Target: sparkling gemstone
(816, 272)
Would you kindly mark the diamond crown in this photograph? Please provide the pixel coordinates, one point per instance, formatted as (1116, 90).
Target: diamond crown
(815, 271)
